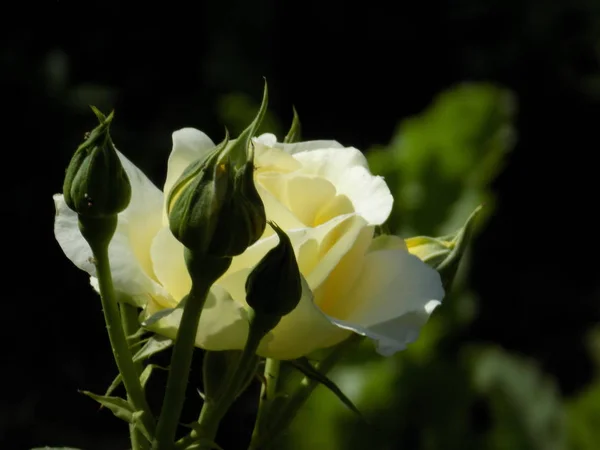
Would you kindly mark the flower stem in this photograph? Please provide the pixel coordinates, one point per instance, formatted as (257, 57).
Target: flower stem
(214, 410)
(267, 395)
(130, 323)
(284, 417)
(118, 340)
(212, 413)
(181, 361)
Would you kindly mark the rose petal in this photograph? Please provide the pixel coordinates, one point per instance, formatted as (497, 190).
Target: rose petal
(302, 331)
(223, 324)
(328, 257)
(303, 196)
(394, 335)
(335, 239)
(348, 171)
(128, 275)
(392, 299)
(129, 249)
(331, 295)
(189, 144)
(169, 264)
(276, 211)
(267, 139)
(253, 254)
(268, 158)
(270, 140)
(142, 215)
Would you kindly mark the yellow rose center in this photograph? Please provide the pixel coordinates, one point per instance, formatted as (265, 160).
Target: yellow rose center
(312, 199)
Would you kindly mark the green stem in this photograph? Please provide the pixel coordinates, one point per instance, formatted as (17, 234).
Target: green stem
(118, 340)
(284, 417)
(181, 361)
(131, 325)
(214, 410)
(213, 413)
(267, 395)
(272, 367)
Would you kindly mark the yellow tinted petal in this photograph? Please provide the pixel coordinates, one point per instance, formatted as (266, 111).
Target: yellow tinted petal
(347, 170)
(223, 323)
(392, 299)
(306, 196)
(169, 264)
(392, 283)
(189, 144)
(335, 239)
(301, 332)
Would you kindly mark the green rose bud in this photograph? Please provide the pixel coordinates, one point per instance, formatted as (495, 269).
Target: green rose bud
(96, 184)
(197, 199)
(214, 207)
(274, 286)
(244, 213)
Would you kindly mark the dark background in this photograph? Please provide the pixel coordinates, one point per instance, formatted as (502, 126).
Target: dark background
(352, 71)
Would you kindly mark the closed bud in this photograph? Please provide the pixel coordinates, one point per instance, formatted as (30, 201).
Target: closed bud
(197, 199)
(256, 217)
(96, 185)
(244, 218)
(274, 286)
(214, 208)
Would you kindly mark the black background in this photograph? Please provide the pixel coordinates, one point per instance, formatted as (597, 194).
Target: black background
(352, 71)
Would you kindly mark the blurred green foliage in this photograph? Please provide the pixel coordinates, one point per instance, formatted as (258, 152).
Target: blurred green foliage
(439, 163)
(442, 392)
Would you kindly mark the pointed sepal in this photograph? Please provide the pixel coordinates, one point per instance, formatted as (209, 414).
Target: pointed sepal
(310, 371)
(293, 134)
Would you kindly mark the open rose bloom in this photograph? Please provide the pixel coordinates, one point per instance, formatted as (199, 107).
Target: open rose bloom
(325, 198)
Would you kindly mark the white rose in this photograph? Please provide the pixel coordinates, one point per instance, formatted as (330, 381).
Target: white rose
(325, 198)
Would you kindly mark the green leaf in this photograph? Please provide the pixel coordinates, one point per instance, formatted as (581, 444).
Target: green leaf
(138, 343)
(583, 409)
(525, 403)
(119, 407)
(583, 415)
(154, 345)
(99, 114)
(147, 372)
(432, 251)
(449, 266)
(293, 134)
(143, 378)
(138, 422)
(114, 385)
(304, 366)
(138, 334)
(157, 316)
(439, 164)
